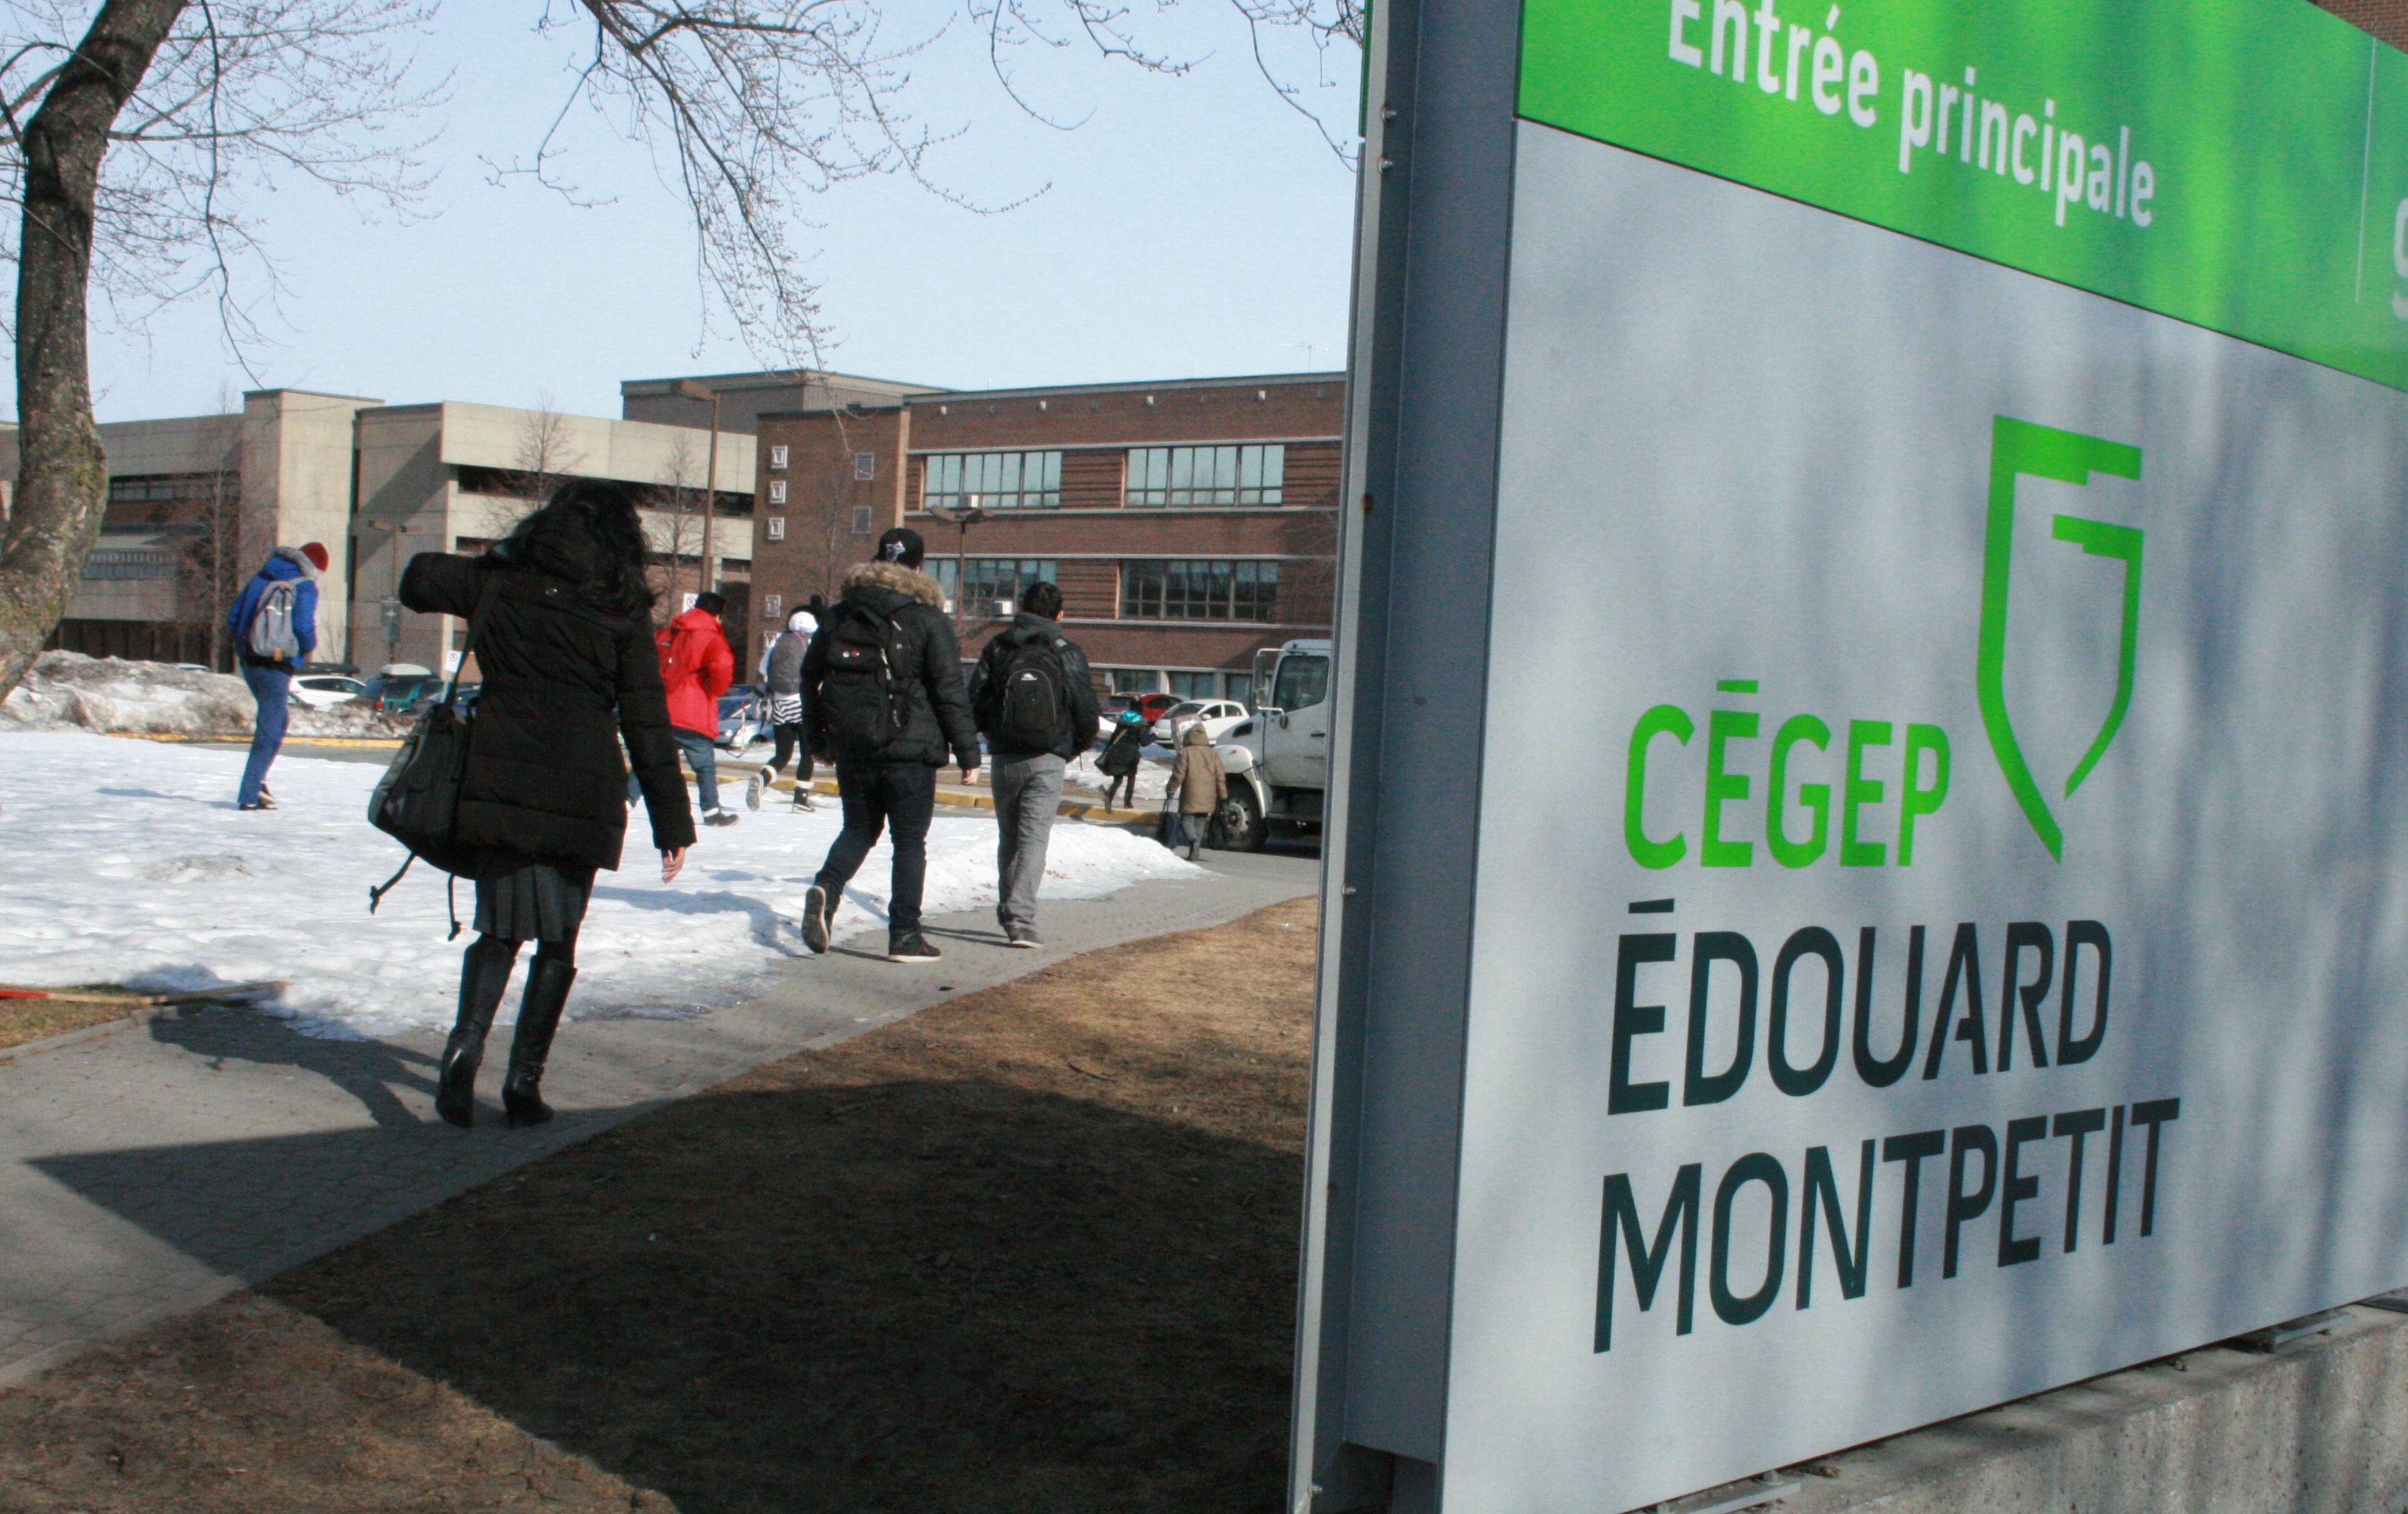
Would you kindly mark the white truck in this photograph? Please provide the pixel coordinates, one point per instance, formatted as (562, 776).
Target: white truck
(1278, 761)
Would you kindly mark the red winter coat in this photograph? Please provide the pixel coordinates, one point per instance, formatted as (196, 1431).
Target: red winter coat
(697, 668)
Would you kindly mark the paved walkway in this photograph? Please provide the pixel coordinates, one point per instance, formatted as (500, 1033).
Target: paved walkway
(147, 1169)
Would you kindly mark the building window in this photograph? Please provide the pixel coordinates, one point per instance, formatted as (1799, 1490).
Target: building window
(506, 483)
(1227, 477)
(777, 524)
(771, 605)
(147, 489)
(778, 458)
(865, 466)
(777, 491)
(1001, 480)
(1196, 590)
(1195, 685)
(1130, 679)
(861, 522)
(129, 563)
(993, 580)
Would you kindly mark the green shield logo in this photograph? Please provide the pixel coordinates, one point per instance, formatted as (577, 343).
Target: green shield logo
(2019, 448)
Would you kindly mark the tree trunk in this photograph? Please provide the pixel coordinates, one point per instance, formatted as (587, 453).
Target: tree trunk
(61, 475)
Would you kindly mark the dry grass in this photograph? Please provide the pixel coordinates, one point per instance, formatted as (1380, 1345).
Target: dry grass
(35, 1019)
(1033, 1250)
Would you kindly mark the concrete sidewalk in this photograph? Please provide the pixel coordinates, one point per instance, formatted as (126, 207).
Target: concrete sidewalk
(149, 1166)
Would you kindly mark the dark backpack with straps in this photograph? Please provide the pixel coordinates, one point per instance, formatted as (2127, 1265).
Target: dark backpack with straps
(1028, 704)
(858, 690)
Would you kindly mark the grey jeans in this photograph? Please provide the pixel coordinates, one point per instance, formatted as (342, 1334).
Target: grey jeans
(1027, 797)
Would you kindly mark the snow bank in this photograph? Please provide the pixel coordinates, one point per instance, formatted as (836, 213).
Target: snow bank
(69, 692)
(128, 862)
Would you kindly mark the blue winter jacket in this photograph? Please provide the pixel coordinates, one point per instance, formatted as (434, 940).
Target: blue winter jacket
(284, 563)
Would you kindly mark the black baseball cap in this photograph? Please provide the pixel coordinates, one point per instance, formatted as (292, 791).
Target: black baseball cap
(902, 544)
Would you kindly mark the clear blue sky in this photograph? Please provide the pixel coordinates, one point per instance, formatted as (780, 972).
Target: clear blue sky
(1193, 226)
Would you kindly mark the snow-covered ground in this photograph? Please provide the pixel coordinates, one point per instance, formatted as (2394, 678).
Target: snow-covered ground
(127, 862)
(69, 692)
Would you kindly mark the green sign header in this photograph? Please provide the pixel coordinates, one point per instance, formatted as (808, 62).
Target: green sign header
(2241, 164)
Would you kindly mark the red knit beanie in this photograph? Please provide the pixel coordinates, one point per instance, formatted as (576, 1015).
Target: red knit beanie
(316, 553)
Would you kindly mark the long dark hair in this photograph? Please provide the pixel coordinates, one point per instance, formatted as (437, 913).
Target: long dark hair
(590, 533)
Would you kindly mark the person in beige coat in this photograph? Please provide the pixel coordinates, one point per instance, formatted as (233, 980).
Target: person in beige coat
(1200, 784)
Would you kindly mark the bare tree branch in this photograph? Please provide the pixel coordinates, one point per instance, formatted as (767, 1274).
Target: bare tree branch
(240, 94)
(158, 128)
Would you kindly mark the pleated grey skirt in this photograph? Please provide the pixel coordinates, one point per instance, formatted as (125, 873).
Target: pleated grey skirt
(526, 900)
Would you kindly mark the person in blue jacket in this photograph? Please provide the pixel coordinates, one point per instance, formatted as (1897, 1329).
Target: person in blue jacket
(274, 630)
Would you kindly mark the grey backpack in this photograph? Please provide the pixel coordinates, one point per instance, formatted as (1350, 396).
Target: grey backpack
(270, 635)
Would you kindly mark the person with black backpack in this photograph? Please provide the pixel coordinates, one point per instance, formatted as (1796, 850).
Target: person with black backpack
(274, 624)
(1036, 705)
(882, 699)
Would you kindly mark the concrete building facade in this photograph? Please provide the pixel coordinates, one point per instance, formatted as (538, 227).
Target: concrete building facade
(453, 476)
(194, 503)
(197, 502)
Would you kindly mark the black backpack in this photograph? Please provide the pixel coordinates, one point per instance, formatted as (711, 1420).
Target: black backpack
(858, 689)
(1028, 704)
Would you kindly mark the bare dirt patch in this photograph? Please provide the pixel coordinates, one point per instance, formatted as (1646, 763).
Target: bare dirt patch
(1034, 1250)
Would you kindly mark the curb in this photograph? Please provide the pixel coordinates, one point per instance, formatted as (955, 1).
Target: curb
(390, 743)
(960, 798)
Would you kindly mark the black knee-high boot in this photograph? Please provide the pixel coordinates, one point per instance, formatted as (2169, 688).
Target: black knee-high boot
(484, 975)
(546, 993)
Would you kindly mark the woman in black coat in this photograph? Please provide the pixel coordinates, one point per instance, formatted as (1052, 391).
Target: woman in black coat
(570, 668)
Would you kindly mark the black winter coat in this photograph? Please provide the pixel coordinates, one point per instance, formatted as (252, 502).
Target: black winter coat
(1124, 750)
(563, 682)
(1023, 629)
(925, 668)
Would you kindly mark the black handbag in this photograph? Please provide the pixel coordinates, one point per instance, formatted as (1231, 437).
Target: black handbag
(417, 802)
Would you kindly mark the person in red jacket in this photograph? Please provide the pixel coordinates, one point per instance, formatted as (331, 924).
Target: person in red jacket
(696, 666)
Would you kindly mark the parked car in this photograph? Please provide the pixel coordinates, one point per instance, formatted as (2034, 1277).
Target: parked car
(464, 700)
(1151, 705)
(395, 687)
(318, 691)
(1219, 717)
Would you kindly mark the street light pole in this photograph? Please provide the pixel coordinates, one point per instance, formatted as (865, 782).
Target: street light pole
(709, 492)
(696, 389)
(391, 606)
(963, 519)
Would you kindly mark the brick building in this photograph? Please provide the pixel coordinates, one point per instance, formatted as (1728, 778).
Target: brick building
(2386, 18)
(1188, 522)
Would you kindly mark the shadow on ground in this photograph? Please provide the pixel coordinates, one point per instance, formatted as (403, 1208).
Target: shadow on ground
(367, 1070)
(921, 1296)
(1029, 1250)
